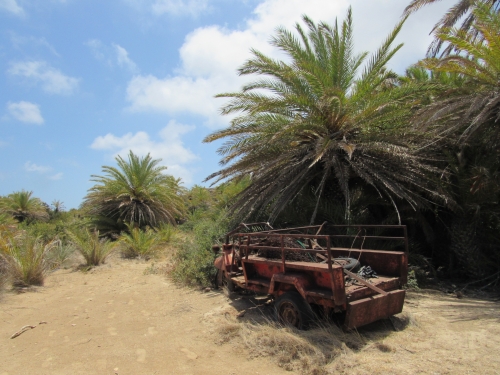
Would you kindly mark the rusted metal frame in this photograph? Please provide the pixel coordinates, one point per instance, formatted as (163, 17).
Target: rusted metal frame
(247, 246)
(288, 229)
(233, 256)
(364, 282)
(404, 266)
(406, 239)
(261, 247)
(295, 235)
(366, 226)
(372, 237)
(329, 262)
(283, 253)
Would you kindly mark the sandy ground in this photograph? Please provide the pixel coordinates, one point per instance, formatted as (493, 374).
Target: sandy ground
(119, 319)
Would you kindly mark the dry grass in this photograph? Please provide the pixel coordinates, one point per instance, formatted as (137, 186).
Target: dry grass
(26, 261)
(326, 349)
(3, 274)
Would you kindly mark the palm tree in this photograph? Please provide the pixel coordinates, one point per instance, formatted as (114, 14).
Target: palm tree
(23, 207)
(475, 105)
(460, 12)
(317, 123)
(136, 192)
(466, 119)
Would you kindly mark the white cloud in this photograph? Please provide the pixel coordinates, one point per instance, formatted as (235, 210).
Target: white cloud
(211, 55)
(26, 112)
(57, 176)
(171, 7)
(19, 41)
(32, 167)
(12, 6)
(111, 55)
(122, 58)
(169, 148)
(51, 79)
(97, 47)
(178, 7)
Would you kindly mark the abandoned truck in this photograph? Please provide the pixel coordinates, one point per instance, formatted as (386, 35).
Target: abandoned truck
(355, 270)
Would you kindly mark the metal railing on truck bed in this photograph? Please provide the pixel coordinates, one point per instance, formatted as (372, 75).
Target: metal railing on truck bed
(309, 260)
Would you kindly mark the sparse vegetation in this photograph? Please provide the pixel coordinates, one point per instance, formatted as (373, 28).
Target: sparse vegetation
(194, 257)
(139, 243)
(25, 259)
(94, 249)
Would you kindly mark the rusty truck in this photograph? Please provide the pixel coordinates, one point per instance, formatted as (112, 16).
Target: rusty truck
(356, 271)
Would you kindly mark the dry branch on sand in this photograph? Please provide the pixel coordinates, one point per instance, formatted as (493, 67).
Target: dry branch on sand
(21, 331)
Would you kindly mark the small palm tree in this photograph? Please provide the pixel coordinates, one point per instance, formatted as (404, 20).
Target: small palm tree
(23, 207)
(318, 123)
(94, 249)
(460, 12)
(25, 258)
(136, 192)
(139, 243)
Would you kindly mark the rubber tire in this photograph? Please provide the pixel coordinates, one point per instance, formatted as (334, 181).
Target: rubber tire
(353, 264)
(292, 310)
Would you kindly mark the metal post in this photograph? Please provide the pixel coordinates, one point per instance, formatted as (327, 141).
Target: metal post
(283, 252)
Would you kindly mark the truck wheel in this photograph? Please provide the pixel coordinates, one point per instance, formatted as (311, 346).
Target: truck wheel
(293, 310)
(226, 285)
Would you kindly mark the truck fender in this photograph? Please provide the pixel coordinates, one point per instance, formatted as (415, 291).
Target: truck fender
(300, 283)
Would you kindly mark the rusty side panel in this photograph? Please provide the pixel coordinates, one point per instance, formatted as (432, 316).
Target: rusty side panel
(368, 310)
(263, 270)
(322, 279)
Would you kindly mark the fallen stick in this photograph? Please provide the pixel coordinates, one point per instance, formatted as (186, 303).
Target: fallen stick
(21, 331)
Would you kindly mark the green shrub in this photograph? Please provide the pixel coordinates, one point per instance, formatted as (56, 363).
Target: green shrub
(25, 259)
(139, 243)
(60, 252)
(165, 233)
(193, 262)
(94, 249)
(412, 282)
(46, 231)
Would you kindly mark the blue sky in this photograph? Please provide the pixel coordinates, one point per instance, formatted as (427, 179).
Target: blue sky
(83, 81)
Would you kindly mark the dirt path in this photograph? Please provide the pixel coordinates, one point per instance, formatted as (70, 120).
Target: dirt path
(112, 320)
(116, 319)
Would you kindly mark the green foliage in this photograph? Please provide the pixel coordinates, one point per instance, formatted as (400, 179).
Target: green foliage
(476, 105)
(326, 121)
(460, 12)
(412, 280)
(23, 207)
(25, 258)
(165, 233)
(139, 243)
(60, 253)
(94, 249)
(136, 192)
(194, 258)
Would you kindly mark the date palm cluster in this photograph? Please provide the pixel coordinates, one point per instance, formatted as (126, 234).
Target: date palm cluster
(325, 128)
